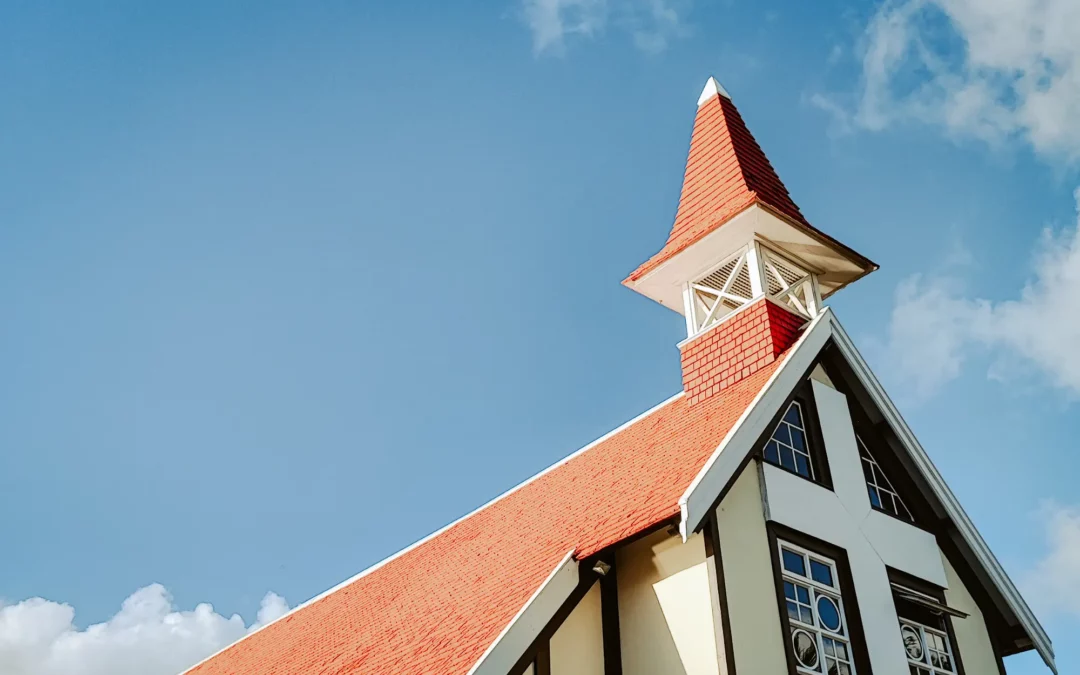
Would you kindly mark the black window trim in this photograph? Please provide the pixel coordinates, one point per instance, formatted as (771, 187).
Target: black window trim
(778, 533)
(871, 446)
(900, 578)
(804, 396)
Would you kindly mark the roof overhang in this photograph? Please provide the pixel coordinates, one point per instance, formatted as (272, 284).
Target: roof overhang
(835, 264)
(525, 627)
(723, 467)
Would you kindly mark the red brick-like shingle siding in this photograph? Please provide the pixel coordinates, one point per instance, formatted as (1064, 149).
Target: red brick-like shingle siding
(726, 172)
(737, 348)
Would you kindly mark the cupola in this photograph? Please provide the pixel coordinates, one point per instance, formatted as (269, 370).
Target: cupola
(739, 240)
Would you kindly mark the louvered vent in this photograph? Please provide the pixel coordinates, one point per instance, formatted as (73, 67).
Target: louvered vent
(782, 274)
(721, 292)
(717, 279)
(741, 284)
(788, 283)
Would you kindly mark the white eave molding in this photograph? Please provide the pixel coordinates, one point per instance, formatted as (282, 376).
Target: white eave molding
(720, 469)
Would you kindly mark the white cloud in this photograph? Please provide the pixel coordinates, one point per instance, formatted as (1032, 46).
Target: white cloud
(148, 636)
(934, 323)
(1054, 583)
(651, 23)
(987, 69)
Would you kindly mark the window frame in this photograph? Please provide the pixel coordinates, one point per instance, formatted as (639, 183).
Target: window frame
(819, 462)
(922, 514)
(780, 535)
(912, 583)
(889, 487)
(924, 631)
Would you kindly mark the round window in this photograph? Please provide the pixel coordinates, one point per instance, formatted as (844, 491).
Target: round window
(806, 651)
(912, 643)
(828, 613)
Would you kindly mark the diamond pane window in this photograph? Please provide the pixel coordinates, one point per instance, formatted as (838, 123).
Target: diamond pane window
(883, 496)
(787, 447)
(820, 639)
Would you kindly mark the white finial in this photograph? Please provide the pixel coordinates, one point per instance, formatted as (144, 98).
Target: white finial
(712, 88)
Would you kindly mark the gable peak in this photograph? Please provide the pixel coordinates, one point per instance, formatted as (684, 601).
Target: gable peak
(712, 90)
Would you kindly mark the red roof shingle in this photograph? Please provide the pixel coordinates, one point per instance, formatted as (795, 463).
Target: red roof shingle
(726, 172)
(437, 607)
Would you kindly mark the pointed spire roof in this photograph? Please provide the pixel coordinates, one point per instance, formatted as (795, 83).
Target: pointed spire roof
(726, 172)
(712, 89)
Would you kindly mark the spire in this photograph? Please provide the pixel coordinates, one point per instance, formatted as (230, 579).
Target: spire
(741, 264)
(726, 172)
(712, 90)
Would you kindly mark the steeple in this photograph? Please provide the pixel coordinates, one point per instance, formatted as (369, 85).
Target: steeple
(739, 239)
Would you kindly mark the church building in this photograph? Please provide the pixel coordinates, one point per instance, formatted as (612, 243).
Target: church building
(775, 517)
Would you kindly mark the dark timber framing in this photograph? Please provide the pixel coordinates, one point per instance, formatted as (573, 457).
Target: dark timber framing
(776, 532)
(804, 396)
(759, 444)
(609, 618)
(543, 658)
(1006, 634)
(539, 654)
(926, 588)
(712, 550)
(1007, 637)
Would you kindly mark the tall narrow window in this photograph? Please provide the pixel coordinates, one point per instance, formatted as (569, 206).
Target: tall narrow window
(788, 446)
(883, 496)
(819, 631)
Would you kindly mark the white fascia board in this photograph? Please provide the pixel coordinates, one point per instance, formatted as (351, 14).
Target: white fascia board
(720, 469)
(952, 505)
(523, 629)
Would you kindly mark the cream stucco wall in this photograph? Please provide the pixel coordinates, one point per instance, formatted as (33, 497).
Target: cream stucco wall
(756, 634)
(972, 636)
(665, 610)
(577, 648)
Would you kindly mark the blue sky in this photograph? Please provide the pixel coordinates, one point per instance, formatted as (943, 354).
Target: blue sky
(287, 286)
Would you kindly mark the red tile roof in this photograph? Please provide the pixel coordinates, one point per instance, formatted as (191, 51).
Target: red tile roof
(437, 607)
(726, 172)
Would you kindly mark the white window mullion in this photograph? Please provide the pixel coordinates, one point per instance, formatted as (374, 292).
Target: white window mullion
(815, 578)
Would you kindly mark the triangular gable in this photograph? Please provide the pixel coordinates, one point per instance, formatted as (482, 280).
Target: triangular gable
(740, 444)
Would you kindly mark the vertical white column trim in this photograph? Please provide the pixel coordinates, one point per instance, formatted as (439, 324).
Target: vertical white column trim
(753, 266)
(688, 307)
